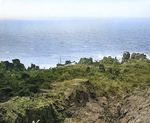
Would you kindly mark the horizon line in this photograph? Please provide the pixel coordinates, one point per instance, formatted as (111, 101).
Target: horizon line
(66, 18)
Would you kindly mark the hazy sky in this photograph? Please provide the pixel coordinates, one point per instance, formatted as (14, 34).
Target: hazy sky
(29, 9)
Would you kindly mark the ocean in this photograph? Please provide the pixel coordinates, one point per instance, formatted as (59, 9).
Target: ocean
(45, 42)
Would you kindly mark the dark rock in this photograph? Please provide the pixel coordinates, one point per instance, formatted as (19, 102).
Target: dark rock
(133, 55)
(138, 56)
(126, 56)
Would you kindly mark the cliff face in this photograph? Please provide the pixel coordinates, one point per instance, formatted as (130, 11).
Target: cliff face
(136, 108)
(74, 101)
(133, 108)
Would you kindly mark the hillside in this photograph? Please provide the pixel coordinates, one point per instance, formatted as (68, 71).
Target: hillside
(87, 92)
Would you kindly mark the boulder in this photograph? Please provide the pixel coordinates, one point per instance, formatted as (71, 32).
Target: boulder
(126, 56)
(138, 56)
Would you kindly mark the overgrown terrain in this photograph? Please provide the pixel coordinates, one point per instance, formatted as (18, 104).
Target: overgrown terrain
(60, 94)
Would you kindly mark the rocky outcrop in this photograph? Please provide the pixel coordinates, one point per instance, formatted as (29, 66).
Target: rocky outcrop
(138, 56)
(126, 56)
(136, 108)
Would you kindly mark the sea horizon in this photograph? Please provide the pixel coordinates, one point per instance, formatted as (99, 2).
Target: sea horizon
(44, 42)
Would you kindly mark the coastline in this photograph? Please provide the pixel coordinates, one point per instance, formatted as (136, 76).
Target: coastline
(53, 63)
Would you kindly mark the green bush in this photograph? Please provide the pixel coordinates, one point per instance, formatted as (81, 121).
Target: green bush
(86, 61)
(101, 68)
(65, 76)
(45, 85)
(109, 61)
(24, 75)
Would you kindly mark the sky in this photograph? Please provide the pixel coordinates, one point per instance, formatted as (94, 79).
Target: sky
(31, 9)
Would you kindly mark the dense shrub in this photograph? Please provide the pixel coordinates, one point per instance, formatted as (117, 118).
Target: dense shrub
(45, 85)
(101, 68)
(109, 61)
(86, 61)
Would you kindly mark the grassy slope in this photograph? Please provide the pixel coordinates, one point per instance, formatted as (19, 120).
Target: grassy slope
(117, 80)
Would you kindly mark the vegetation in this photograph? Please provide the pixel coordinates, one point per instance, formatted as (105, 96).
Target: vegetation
(106, 77)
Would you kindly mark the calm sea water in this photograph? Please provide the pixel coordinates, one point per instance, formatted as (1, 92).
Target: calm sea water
(44, 42)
